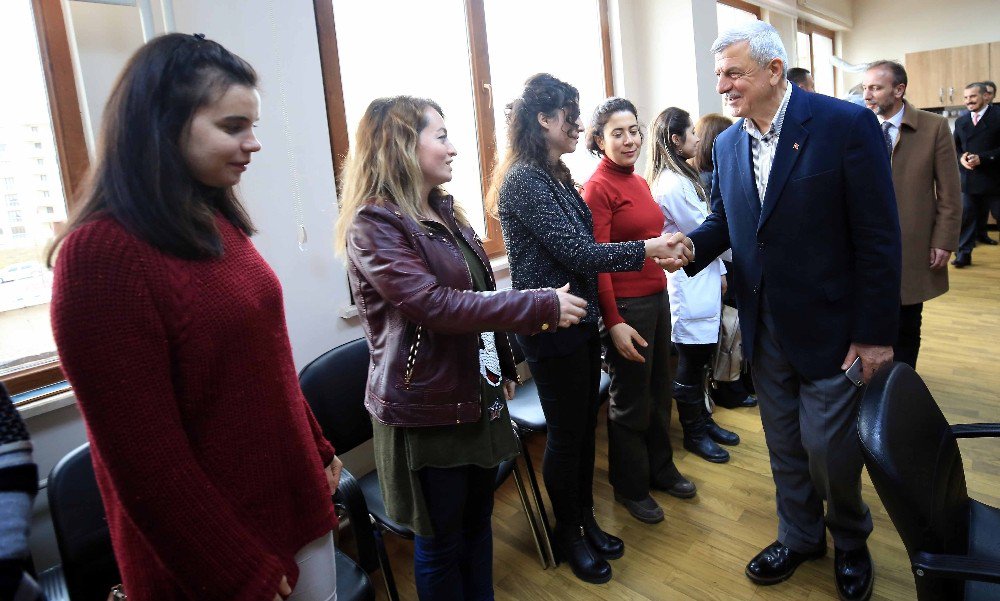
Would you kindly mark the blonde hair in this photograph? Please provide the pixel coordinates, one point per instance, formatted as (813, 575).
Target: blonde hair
(383, 164)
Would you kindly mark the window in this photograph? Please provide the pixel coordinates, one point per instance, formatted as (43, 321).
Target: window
(12, 200)
(39, 162)
(46, 210)
(481, 46)
(815, 49)
(43, 193)
(731, 13)
(42, 177)
(47, 105)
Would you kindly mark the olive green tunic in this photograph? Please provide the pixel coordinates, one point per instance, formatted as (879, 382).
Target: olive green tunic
(400, 452)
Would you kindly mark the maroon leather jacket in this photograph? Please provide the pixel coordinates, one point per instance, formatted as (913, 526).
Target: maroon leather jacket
(414, 296)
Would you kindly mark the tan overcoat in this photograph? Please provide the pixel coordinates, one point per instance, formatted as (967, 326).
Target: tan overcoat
(928, 196)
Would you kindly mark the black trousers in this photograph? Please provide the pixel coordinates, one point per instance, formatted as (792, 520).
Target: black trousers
(982, 218)
(908, 342)
(974, 208)
(691, 360)
(568, 387)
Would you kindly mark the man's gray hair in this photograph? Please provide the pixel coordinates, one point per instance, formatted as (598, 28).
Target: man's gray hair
(765, 43)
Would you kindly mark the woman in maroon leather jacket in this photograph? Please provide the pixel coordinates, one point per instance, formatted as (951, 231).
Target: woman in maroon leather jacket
(441, 363)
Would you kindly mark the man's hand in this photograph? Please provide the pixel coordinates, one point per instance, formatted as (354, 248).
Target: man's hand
(679, 252)
(624, 336)
(572, 308)
(939, 258)
(333, 474)
(973, 159)
(965, 161)
(873, 357)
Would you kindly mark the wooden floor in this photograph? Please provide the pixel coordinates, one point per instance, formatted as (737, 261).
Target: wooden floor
(700, 550)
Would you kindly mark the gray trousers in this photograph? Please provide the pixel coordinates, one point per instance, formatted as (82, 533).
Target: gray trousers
(639, 453)
(811, 431)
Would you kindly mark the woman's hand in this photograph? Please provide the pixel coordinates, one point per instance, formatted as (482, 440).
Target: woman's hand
(333, 474)
(624, 336)
(508, 389)
(571, 308)
(283, 589)
(725, 285)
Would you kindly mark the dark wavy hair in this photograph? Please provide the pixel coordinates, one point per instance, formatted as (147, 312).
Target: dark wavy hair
(663, 152)
(708, 129)
(544, 94)
(140, 177)
(600, 118)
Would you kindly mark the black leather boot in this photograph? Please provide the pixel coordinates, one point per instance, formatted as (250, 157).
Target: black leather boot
(606, 545)
(573, 548)
(694, 421)
(720, 434)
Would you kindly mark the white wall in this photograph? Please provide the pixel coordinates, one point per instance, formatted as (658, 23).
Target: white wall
(889, 29)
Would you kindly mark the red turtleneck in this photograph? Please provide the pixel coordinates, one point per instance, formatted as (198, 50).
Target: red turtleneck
(623, 210)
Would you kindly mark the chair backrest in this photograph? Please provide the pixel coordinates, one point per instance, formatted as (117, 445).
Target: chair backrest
(334, 385)
(915, 464)
(81, 528)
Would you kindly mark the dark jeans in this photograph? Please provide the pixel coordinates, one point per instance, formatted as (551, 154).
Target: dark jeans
(974, 208)
(691, 361)
(457, 562)
(908, 342)
(568, 387)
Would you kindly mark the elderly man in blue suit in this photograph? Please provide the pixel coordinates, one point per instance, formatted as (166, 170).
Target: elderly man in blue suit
(802, 192)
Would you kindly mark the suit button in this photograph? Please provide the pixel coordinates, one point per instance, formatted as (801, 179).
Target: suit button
(545, 326)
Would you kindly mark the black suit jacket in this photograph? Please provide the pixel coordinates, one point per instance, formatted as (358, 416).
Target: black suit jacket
(824, 246)
(982, 139)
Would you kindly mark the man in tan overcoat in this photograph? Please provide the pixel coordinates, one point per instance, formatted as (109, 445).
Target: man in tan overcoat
(928, 195)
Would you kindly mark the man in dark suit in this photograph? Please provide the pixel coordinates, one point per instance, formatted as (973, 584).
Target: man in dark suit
(802, 192)
(977, 142)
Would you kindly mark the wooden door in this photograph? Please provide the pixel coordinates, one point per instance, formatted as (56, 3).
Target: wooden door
(995, 62)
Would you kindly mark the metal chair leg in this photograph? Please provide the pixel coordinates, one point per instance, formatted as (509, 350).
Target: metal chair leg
(383, 560)
(546, 530)
(529, 513)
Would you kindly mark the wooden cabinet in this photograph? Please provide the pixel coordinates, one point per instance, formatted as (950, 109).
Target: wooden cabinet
(937, 78)
(995, 61)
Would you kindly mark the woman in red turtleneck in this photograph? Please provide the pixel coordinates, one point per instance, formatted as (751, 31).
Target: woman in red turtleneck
(636, 314)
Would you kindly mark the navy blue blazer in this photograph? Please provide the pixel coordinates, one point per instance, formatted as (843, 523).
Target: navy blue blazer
(824, 247)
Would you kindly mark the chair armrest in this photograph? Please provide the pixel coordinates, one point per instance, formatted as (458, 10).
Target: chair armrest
(976, 430)
(350, 497)
(960, 567)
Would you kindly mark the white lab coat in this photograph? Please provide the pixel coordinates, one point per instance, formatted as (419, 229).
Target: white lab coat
(695, 302)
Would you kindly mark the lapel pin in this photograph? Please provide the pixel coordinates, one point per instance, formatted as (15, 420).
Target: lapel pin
(795, 146)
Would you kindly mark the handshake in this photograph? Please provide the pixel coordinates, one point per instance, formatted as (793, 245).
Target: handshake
(670, 252)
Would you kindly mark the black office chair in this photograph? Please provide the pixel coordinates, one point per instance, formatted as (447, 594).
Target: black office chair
(334, 386)
(913, 458)
(88, 569)
(526, 413)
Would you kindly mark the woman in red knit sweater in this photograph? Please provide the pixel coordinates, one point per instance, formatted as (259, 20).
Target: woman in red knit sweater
(636, 316)
(171, 329)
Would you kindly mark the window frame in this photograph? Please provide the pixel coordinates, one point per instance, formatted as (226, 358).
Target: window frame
(71, 147)
(475, 15)
(809, 29)
(744, 6)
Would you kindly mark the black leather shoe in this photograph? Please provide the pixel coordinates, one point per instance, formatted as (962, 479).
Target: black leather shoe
(606, 545)
(645, 510)
(987, 240)
(961, 261)
(776, 563)
(747, 401)
(573, 548)
(681, 488)
(854, 573)
(720, 434)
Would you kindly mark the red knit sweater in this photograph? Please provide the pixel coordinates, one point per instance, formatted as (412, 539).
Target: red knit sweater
(209, 461)
(623, 210)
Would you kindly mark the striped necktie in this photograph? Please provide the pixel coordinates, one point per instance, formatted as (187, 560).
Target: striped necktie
(886, 137)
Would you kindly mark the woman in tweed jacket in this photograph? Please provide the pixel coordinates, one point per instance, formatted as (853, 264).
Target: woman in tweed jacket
(549, 235)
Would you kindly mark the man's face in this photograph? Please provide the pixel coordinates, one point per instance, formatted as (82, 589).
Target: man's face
(880, 95)
(745, 84)
(974, 99)
(990, 94)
